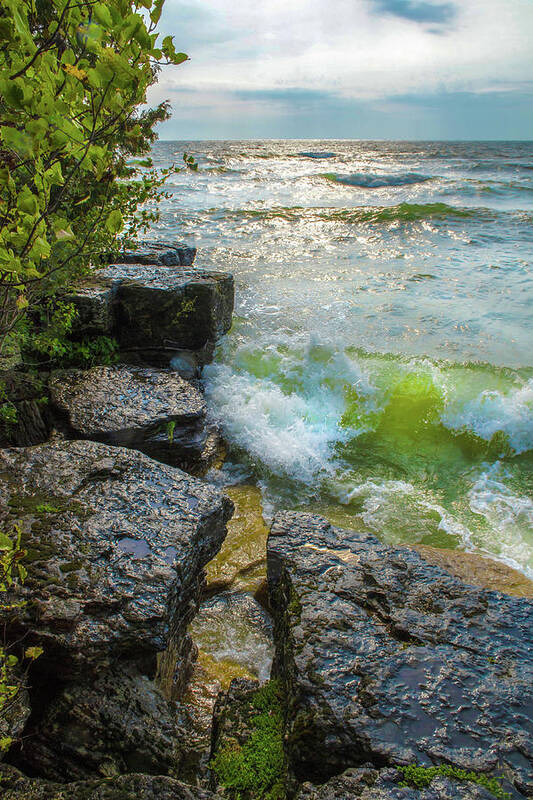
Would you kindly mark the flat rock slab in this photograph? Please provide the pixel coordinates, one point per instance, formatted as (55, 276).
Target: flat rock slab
(116, 548)
(151, 410)
(392, 661)
(16, 786)
(165, 254)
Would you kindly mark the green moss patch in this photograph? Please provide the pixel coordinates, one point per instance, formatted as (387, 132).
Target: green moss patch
(421, 777)
(255, 770)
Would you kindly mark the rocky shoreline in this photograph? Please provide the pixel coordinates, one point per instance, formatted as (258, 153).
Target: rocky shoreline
(392, 677)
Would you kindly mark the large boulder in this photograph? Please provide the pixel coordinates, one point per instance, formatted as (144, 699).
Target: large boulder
(116, 547)
(151, 410)
(16, 786)
(156, 312)
(388, 660)
(170, 308)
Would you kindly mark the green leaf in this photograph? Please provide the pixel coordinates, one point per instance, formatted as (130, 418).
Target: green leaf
(114, 222)
(102, 15)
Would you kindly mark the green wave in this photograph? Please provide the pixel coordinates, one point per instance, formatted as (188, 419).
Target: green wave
(403, 212)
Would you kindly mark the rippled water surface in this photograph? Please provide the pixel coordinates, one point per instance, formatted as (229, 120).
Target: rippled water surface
(380, 366)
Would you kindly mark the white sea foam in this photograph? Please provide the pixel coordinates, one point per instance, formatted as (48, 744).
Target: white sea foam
(509, 533)
(493, 411)
(287, 432)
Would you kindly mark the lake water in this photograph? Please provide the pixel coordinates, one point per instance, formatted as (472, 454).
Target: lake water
(380, 366)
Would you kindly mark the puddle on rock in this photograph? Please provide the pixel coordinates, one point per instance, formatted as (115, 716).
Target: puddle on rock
(241, 563)
(138, 548)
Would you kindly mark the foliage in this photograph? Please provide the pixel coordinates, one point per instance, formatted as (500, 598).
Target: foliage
(8, 412)
(49, 343)
(73, 76)
(256, 770)
(420, 777)
(11, 572)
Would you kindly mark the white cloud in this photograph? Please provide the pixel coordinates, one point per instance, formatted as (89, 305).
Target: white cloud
(346, 48)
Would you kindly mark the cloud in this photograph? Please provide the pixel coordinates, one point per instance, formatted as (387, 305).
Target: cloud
(351, 50)
(438, 13)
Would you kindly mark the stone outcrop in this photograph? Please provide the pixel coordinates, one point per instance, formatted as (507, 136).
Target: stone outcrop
(151, 410)
(164, 254)
(156, 311)
(170, 308)
(388, 660)
(16, 786)
(116, 548)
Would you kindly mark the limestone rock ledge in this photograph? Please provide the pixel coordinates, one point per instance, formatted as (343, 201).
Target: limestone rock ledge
(152, 309)
(116, 547)
(147, 409)
(387, 660)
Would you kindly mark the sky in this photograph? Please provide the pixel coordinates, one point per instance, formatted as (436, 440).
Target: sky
(352, 69)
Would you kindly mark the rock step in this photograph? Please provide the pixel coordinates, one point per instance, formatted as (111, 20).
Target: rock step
(154, 309)
(387, 660)
(165, 254)
(116, 547)
(154, 411)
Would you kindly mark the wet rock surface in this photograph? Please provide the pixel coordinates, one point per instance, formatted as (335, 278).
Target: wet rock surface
(389, 660)
(367, 783)
(117, 724)
(116, 548)
(151, 410)
(16, 786)
(165, 254)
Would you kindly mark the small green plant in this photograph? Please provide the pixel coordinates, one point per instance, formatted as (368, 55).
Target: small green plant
(421, 777)
(47, 508)
(170, 428)
(255, 771)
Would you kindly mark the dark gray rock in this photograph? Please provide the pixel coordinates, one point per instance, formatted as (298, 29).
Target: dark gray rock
(27, 394)
(117, 724)
(156, 312)
(93, 301)
(164, 254)
(172, 308)
(116, 548)
(367, 783)
(16, 786)
(389, 660)
(151, 410)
